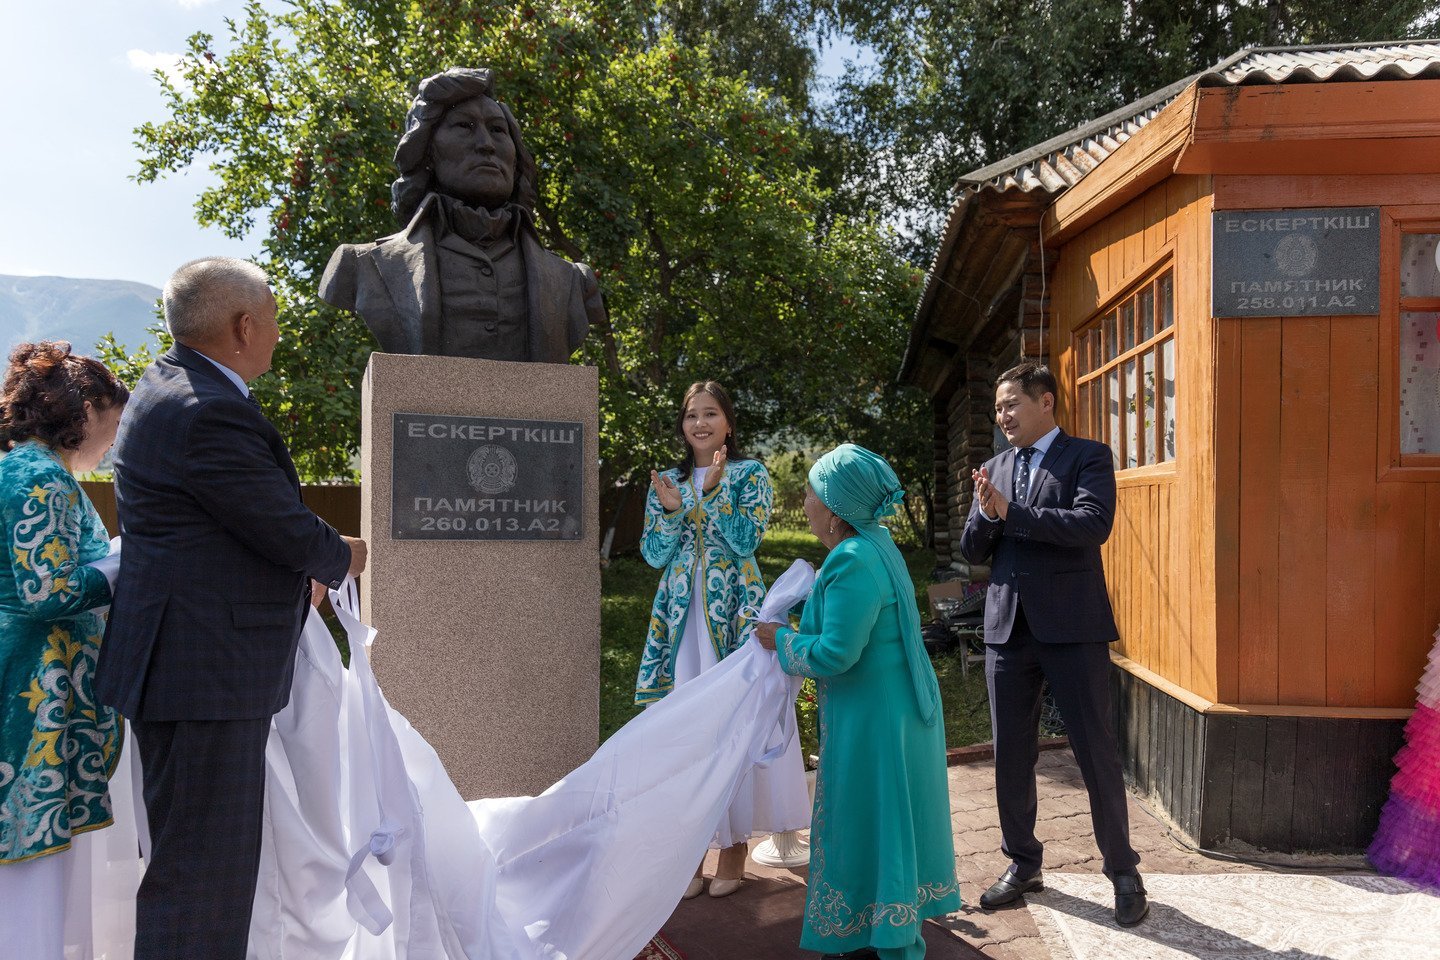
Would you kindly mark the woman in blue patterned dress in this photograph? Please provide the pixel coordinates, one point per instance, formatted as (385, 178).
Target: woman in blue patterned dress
(703, 522)
(58, 746)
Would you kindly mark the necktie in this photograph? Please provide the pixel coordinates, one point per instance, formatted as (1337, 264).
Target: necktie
(1022, 474)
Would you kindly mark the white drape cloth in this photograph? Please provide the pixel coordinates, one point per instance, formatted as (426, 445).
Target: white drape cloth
(369, 853)
(79, 904)
(696, 652)
(775, 797)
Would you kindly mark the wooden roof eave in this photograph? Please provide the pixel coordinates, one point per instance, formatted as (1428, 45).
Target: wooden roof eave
(963, 211)
(1335, 128)
(980, 263)
(1138, 164)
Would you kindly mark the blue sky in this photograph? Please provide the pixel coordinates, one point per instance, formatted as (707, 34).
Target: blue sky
(75, 81)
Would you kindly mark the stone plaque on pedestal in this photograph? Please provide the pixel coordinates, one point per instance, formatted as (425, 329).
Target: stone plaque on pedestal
(479, 478)
(479, 503)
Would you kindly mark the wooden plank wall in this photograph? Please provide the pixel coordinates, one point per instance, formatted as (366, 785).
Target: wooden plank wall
(337, 504)
(1328, 595)
(1160, 557)
(965, 439)
(1278, 783)
(1295, 783)
(1162, 746)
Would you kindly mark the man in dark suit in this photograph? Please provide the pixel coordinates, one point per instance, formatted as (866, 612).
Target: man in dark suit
(219, 554)
(1041, 511)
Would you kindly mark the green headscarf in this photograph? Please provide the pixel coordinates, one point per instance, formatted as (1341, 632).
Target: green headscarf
(862, 489)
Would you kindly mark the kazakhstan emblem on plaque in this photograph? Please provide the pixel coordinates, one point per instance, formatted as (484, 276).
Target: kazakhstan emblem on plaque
(491, 469)
(1295, 255)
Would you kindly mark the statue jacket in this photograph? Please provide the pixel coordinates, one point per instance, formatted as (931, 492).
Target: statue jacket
(720, 531)
(394, 284)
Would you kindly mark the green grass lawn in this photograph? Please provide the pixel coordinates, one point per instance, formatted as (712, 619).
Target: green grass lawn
(629, 587)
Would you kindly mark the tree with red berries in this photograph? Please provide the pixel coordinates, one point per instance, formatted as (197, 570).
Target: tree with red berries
(683, 186)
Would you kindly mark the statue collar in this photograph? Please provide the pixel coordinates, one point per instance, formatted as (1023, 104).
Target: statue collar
(476, 224)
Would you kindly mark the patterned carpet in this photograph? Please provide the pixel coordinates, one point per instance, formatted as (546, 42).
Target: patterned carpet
(1237, 916)
(660, 949)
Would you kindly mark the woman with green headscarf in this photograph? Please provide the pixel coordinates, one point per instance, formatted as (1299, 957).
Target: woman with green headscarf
(882, 858)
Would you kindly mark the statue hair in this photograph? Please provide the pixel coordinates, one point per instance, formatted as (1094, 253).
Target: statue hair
(435, 96)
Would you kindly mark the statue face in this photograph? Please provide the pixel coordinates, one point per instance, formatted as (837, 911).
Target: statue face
(473, 155)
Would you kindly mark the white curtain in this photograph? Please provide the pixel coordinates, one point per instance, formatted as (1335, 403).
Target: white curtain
(369, 852)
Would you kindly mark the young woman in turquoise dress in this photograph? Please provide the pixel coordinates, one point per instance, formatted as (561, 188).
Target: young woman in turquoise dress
(881, 850)
(58, 746)
(703, 522)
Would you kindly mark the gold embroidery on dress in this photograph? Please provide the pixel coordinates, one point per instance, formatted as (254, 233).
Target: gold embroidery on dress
(826, 910)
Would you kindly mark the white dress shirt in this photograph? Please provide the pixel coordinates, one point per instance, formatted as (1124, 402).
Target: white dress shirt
(1041, 447)
(231, 375)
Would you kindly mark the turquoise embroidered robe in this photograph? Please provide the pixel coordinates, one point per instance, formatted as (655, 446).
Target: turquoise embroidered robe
(881, 850)
(58, 746)
(722, 530)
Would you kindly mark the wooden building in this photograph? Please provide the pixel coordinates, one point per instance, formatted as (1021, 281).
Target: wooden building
(1235, 281)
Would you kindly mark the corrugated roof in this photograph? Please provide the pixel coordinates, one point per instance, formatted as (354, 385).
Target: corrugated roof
(1048, 169)
(1061, 162)
(1348, 62)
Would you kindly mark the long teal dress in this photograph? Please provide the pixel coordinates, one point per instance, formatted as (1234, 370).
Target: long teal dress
(881, 852)
(58, 746)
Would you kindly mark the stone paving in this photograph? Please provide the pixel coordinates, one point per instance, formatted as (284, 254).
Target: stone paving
(1064, 827)
(762, 922)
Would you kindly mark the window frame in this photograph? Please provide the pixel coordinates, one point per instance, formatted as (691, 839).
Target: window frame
(1133, 356)
(1394, 223)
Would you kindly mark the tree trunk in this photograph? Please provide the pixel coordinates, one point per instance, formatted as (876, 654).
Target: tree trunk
(914, 527)
(609, 541)
(929, 515)
(1274, 22)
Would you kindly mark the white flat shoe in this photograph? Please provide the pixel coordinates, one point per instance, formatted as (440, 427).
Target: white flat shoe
(723, 888)
(697, 886)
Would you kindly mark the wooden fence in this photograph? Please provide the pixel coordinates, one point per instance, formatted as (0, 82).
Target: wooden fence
(338, 504)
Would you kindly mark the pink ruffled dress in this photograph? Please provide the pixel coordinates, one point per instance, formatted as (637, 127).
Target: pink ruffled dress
(1407, 844)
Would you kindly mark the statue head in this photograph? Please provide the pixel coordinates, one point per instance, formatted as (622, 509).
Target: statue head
(462, 142)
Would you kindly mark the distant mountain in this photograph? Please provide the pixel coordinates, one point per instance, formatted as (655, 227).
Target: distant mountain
(81, 311)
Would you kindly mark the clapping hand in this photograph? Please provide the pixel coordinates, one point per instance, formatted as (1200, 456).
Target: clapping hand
(993, 503)
(716, 473)
(666, 490)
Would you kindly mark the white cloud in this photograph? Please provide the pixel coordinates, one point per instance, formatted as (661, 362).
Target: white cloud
(193, 4)
(167, 63)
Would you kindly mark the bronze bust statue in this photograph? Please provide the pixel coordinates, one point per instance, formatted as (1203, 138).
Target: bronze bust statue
(466, 275)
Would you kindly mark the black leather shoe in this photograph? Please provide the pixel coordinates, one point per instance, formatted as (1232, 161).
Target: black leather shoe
(1130, 903)
(1009, 888)
(867, 954)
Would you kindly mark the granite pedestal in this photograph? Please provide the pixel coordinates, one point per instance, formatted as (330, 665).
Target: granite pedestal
(487, 642)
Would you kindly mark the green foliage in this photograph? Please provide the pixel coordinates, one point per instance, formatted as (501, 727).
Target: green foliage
(771, 42)
(731, 215)
(629, 589)
(960, 84)
(681, 182)
(788, 471)
(126, 364)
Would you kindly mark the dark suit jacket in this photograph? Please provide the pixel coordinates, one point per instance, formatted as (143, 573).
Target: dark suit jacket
(1046, 553)
(393, 283)
(217, 555)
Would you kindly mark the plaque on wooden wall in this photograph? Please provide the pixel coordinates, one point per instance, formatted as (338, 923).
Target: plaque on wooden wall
(483, 478)
(1315, 262)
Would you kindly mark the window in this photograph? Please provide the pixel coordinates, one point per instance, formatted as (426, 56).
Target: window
(1418, 368)
(1125, 375)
